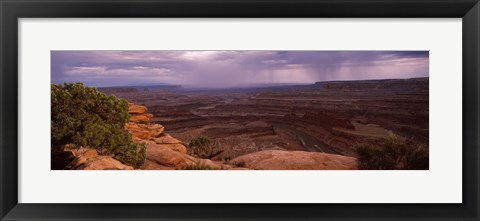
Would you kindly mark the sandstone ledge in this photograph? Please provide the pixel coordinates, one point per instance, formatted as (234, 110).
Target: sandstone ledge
(89, 159)
(295, 160)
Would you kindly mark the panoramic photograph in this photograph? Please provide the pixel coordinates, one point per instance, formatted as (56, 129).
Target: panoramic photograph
(239, 110)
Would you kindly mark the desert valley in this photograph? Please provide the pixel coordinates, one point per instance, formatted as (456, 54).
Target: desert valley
(326, 117)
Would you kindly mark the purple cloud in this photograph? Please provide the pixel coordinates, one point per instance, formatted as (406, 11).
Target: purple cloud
(232, 68)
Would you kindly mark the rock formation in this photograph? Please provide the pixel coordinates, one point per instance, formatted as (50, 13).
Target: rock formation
(89, 159)
(138, 113)
(163, 151)
(144, 131)
(295, 160)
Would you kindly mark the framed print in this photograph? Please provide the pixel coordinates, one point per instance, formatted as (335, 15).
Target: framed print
(239, 110)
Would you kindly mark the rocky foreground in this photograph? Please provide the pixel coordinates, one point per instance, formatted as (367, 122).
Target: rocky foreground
(165, 152)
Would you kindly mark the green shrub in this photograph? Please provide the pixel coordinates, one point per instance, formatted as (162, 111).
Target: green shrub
(133, 154)
(201, 146)
(393, 154)
(239, 164)
(83, 116)
(199, 165)
(227, 159)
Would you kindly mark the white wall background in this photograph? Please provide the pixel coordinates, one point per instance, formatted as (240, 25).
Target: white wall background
(441, 184)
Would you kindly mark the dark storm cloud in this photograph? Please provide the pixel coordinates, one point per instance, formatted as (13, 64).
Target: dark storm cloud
(232, 68)
(420, 54)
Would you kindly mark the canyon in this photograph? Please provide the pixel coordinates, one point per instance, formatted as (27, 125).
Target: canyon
(164, 152)
(262, 127)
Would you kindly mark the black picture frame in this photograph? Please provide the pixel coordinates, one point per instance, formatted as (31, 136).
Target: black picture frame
(12, 10)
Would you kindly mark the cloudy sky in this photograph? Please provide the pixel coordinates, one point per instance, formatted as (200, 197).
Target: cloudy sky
(232, 68)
